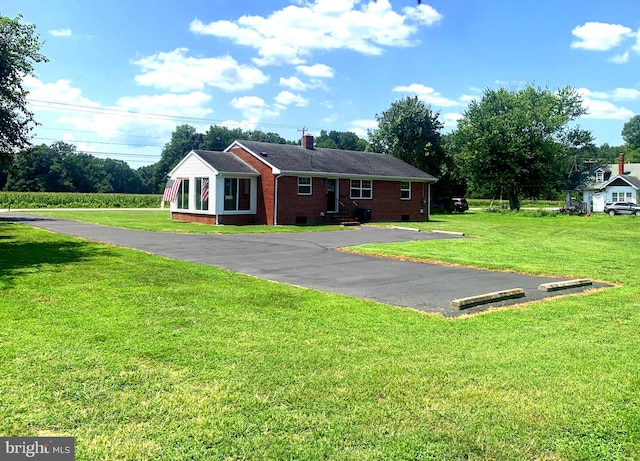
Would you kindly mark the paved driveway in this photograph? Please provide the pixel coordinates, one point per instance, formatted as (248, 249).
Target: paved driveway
(311, 260)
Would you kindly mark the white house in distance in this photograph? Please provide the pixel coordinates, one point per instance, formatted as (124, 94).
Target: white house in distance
(604, 183)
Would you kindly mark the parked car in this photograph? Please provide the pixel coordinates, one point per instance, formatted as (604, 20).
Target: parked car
(614, 208)
(460, 204)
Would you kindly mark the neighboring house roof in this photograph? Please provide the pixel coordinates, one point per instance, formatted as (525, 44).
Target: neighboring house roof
(624, 180)
(292, 159)
(223, 162)
(586, 181)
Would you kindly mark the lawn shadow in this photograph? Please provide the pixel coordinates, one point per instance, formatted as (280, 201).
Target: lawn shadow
(18, 256)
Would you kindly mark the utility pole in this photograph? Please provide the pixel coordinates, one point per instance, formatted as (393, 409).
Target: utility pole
(303, 130)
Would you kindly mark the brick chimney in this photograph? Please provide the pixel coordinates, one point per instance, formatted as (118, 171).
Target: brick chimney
(620, 164)
(307, 141)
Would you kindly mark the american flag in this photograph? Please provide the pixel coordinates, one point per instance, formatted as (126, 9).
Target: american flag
(204, 189)
(171, 190)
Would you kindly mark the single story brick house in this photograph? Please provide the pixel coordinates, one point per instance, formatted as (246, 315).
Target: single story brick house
(603, 183)
(263, 183)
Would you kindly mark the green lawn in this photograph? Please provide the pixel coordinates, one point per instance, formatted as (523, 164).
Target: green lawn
(160, 221)
(140, 357)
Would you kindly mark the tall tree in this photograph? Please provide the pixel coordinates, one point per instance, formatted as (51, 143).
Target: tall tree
(631, 132)
(340, 140)
(514, 143)
(183, 139)
(19, 51)
(410, 131)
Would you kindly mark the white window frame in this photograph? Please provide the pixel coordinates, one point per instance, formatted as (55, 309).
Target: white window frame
(405, 192)
(599, 175)
(235, 196)
(182, 197)
(358, 185)
(201, 205)
(303, 185)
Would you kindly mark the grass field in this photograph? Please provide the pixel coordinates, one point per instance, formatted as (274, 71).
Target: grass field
(160, 221)
(140, 357)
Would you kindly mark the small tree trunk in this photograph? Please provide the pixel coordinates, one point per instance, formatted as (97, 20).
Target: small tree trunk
(514, 202)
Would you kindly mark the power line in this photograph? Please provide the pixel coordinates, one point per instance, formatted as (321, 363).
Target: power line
(107, 110)
(98, 142)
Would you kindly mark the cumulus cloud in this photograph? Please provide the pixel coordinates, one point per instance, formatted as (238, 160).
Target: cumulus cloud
(427, 95)
(60, 32)
(599, 105)
(286, 98)
(175, 71)
(362, 127)
(66, 106)
(599, 36)
(316, 70)
(254, 108)
(292, 34)
(620, 58)
(294, 83)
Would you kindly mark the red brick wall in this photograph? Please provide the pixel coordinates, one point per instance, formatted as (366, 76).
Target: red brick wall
(266, 187)
(231, 220)
(291, 205)
(385, 205)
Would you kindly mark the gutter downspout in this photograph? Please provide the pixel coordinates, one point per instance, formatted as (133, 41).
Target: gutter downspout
(275, 200)
(429, 202)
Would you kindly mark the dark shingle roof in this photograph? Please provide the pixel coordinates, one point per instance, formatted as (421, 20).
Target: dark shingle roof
(225, 162)
(298, 159)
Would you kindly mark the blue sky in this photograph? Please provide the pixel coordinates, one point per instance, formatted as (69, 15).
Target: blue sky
(122, 75)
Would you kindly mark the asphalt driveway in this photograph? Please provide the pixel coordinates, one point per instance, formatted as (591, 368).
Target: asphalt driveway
(311, 260)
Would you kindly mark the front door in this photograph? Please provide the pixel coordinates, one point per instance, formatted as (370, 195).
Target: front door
(332, 196)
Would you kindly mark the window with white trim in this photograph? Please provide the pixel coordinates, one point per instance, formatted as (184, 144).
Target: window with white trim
(405, 190)
(599, 176)
(237, 194)
(621, 197)
(304, 185)
(361, 188)
(202, 193)
(182, 199)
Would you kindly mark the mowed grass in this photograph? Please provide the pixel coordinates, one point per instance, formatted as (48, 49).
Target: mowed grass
(160, 221)
(141, 357)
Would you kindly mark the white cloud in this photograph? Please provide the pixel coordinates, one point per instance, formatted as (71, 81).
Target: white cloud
(427, 94)
(317, 70)
(599, 107)
(294, 83)
(254, 108)
(286, 98)
(175, 71)
(636, 47)
(66, 106)
(361, 127)
(294, 33)
(599, 36)
(60, 32)
(450, 120)
(620, 58)
(625, 94)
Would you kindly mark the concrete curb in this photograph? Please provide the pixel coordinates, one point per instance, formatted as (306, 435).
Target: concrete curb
(463, 303)
(553, 286)
(406, 228)
(447, 232)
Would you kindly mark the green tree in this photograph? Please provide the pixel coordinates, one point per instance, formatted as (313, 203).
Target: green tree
(183, 140)
(631, 132)
(515, 143)
(340, 140)
(410, 131)
(40, 169)
(19, 50)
